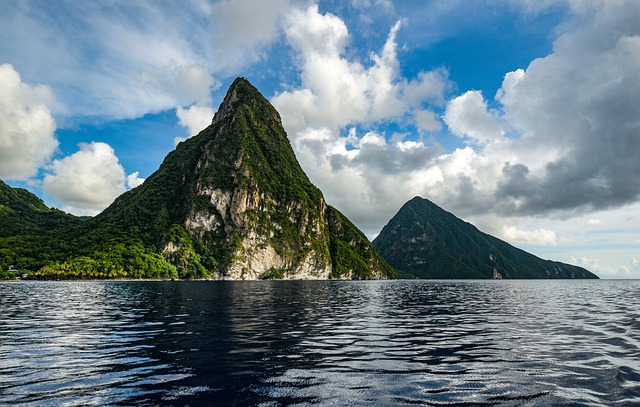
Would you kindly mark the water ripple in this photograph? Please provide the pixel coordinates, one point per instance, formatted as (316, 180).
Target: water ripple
(474, 343)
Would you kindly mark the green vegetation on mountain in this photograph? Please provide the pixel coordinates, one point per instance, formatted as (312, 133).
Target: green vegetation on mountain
(424, 241)
(231, 202)
(350, 249)
(26, 226)
(23, 213)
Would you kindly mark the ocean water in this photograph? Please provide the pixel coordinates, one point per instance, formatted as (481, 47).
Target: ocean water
(341, 343)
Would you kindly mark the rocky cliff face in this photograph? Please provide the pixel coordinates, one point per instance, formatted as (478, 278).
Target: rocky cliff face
(424, 241)
(233, 203)
(254, 228)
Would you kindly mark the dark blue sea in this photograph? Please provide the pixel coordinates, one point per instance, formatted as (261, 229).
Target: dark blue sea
(327, 343)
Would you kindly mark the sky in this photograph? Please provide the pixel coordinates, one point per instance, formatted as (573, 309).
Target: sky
(521, 117)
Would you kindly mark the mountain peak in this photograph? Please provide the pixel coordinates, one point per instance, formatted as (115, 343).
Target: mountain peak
(242, 92)
(425, 241)
(424, 202)
(233, 203)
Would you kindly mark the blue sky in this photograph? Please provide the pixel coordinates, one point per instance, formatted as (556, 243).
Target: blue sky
(520, 116)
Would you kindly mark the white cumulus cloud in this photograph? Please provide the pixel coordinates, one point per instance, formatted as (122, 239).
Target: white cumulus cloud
(87, 181)
(467, 115)
(533, 237)
(27, 139)
(134, 180)
(336, 91)
(194, 118)
(361, 173)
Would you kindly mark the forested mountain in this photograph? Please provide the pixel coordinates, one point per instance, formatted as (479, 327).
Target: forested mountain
(23, 213)
(231, 203)
(424, 241)
(25, 221)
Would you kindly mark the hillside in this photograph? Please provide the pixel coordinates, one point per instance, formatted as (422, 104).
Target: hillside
(23, 213)
(26, 223)
(424, 241)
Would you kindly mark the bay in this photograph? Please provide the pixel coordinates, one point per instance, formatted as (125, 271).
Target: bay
(356, 343)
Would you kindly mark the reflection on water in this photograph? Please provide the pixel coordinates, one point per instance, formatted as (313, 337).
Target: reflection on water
(319, 342)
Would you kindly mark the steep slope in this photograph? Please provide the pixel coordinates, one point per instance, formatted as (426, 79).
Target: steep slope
(23, 213)
(424, 241)
(234, 203)
(26, 228)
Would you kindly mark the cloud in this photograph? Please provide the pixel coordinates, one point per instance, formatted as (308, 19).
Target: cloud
(579, 105)
(629, 270)
(467, 115)
(533, 237)
(428, 86)
(535, 7)
(558, 139)
(186, 83)
(336, 91)
(132, 58)
(361, 172)
(27, 139)
(594, 265)
(133, 180)
(85, 182)
(241, 29)
(427, 121)
(89, 180)
(195, 118)
(561, 137)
